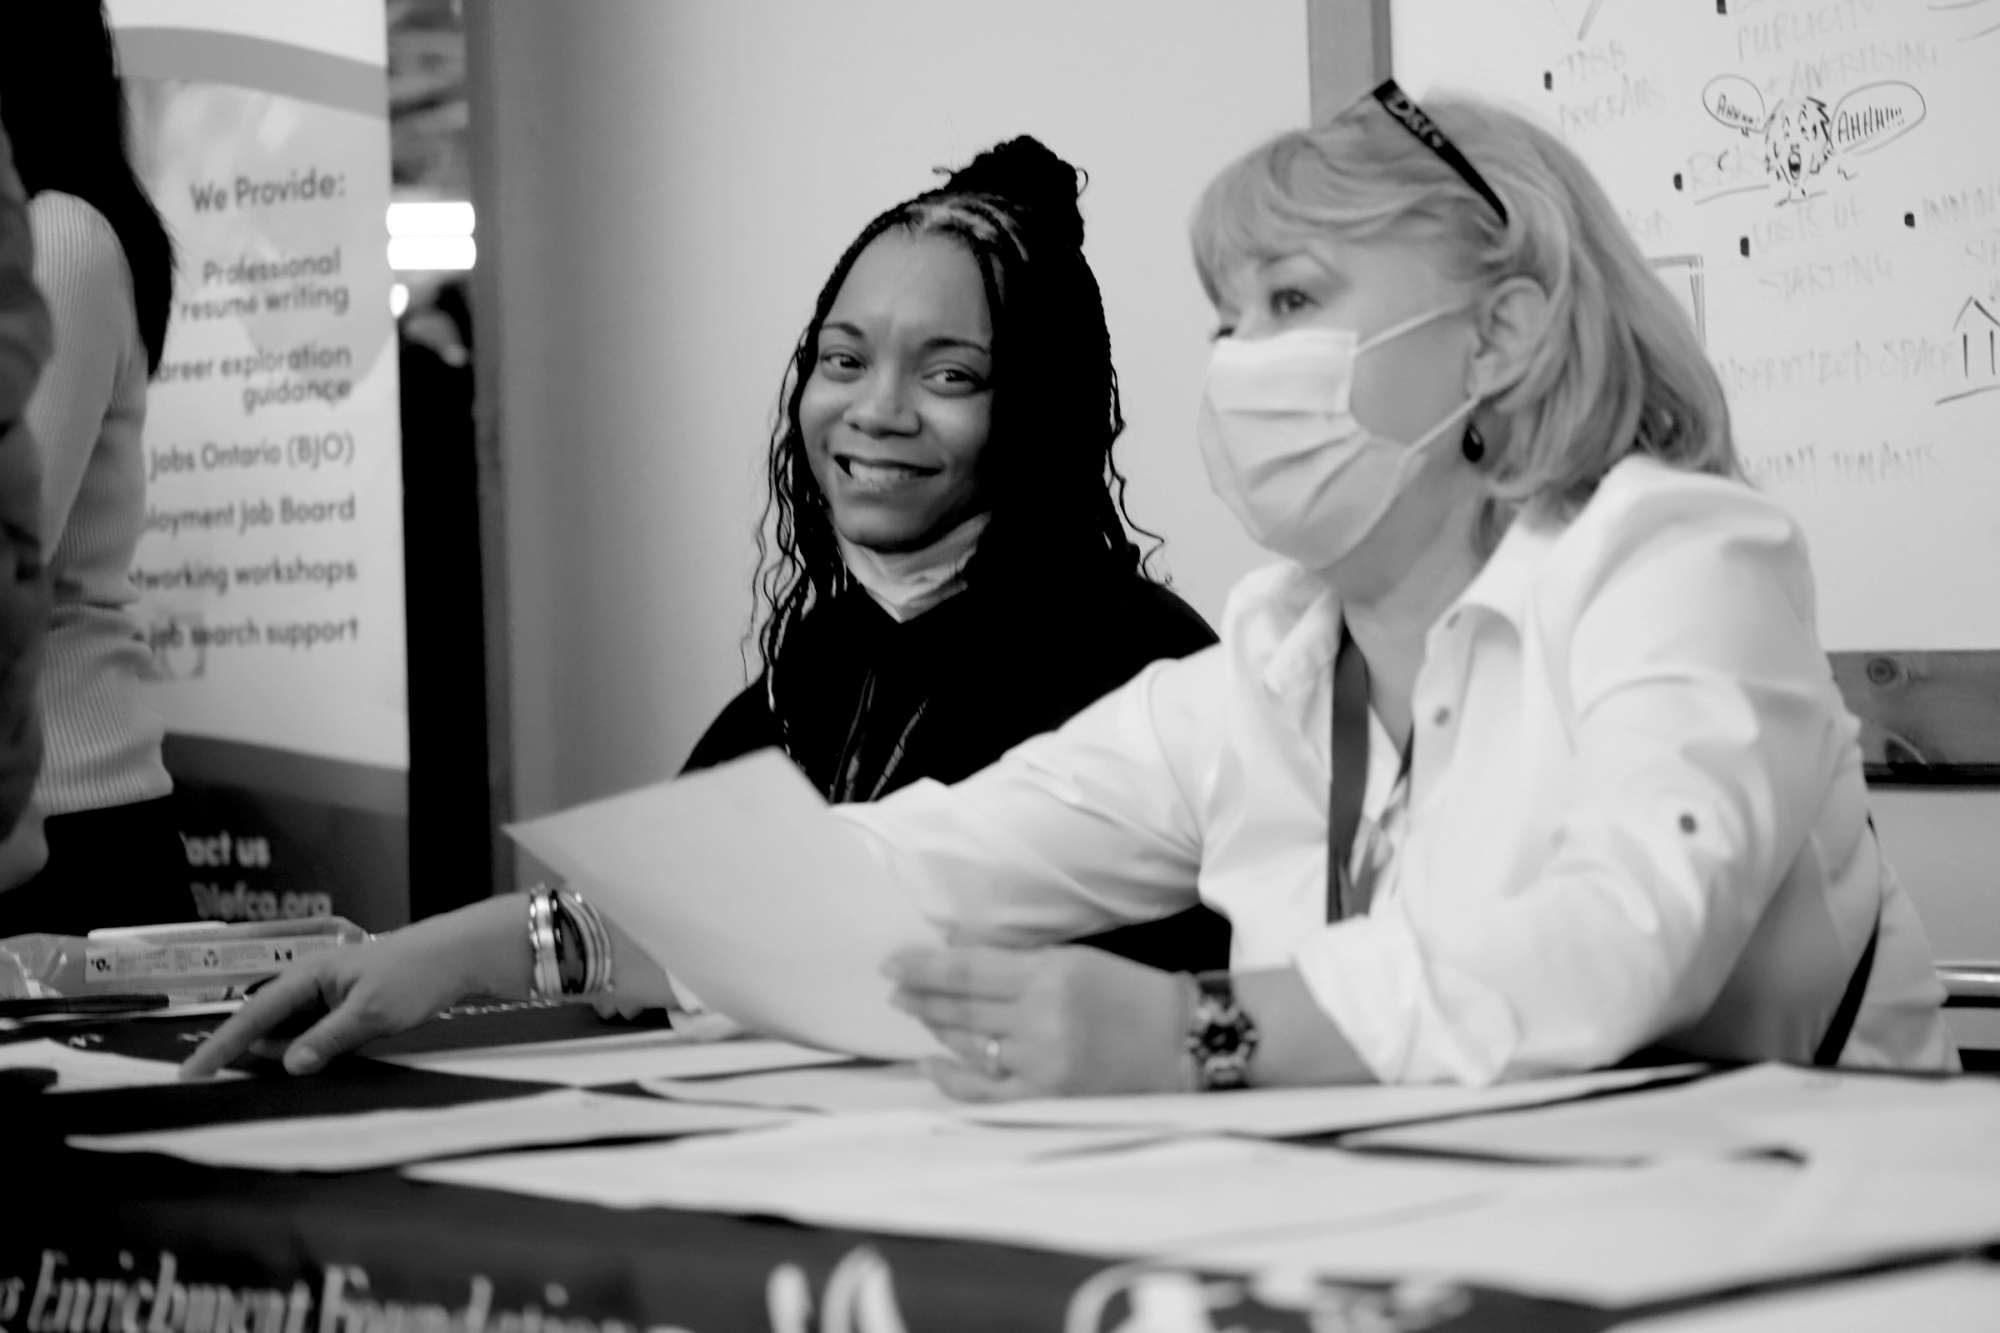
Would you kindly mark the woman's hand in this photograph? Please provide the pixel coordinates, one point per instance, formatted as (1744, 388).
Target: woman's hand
(345, 997)
(1045, 1022)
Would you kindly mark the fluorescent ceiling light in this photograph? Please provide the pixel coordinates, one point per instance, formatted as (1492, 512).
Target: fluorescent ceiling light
(432, 253)
(430, 218)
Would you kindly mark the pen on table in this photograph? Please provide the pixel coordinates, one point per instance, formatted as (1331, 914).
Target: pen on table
(36, 1006)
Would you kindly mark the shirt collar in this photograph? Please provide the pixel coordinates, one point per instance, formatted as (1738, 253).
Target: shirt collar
(1287, 619)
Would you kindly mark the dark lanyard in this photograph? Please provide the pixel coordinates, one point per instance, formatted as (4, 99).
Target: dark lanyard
(1345, 895)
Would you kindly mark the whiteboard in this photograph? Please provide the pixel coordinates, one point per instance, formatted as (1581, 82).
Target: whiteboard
(1818, 181)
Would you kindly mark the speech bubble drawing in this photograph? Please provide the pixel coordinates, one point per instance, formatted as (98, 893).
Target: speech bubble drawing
(1735, 101)
(1875, 114)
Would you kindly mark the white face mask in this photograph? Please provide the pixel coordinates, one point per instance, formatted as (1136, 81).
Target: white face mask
(908, 583)
(1284, 451)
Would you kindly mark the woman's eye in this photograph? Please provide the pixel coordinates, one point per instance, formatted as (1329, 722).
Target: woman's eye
(956, 379)
(1289, 301)
(839, 362)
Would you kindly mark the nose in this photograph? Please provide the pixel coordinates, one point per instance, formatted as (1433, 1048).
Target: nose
(882, 404)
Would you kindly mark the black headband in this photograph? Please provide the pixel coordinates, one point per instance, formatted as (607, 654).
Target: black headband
(1403, 109)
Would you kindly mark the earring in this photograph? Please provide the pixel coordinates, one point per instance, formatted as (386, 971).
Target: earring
(1473, 444)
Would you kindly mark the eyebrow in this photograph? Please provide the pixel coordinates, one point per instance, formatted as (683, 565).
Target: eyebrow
(854, 331)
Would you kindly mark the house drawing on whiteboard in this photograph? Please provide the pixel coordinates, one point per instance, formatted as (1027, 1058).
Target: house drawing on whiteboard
(1978, 331)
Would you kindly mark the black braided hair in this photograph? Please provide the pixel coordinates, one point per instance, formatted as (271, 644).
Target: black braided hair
(1056, 494)
(64, 112)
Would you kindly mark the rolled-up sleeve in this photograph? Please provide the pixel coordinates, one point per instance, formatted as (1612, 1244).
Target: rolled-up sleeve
(1089, 826)
(1706, 734)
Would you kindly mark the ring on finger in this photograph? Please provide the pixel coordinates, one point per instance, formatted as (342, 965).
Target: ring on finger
(989, 1058)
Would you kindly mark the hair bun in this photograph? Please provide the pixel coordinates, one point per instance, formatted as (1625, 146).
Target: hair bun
(1040, 185)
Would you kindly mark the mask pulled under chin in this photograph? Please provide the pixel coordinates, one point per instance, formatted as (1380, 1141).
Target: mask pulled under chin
(908, 583)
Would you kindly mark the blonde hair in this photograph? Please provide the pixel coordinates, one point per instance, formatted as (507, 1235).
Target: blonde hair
(1619, 370)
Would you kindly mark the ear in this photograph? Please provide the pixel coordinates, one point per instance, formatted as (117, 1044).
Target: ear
(1512, 320)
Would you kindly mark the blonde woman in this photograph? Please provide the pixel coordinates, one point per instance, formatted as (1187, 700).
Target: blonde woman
(1523, 759)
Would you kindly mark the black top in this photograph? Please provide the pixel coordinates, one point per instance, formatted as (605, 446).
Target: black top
(865, 705)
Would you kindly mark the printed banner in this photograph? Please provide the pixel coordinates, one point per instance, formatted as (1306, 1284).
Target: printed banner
(271, 570)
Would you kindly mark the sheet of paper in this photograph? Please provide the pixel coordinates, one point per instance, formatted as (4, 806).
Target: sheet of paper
(896, 1087)
(1952, 1298)
(391, 1138)
(740, 883)
(1157, 1199)
(621, 1058)
(1085, 1190)
(1893, 1178)
(1620, 1236)
(83, 1070)
(1747, 1110)
(817, 1162)
(1608, 1235)
(1290, 1112)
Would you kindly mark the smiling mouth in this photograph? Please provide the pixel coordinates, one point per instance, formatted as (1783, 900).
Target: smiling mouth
(878, 475)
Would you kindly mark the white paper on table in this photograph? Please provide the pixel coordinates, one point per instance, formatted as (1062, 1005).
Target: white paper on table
(1893, 1178)
(1084, 1190)
(741, 884)
(843, 1088)
(1951, 1298)
(622, 1058)
(816, 1162)
(1289, 1112)
(1154, 1200)
(1608, 1235)
(80, 1070)
(391, 1138)
(1761, 1108)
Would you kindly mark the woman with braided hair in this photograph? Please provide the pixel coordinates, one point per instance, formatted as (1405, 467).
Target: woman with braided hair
(948, 571)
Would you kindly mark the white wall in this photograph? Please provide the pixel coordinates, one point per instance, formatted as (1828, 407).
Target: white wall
(669, 185)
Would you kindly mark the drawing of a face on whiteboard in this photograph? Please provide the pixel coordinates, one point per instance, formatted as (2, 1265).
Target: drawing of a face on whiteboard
(1808, 144)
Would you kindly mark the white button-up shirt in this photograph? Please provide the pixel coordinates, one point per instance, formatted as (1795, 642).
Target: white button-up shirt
(1637, 810)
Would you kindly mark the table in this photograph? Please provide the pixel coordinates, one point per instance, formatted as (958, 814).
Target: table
(103, 1243)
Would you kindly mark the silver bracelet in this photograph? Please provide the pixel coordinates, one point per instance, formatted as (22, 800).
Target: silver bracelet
(545, 981)
(596, 937)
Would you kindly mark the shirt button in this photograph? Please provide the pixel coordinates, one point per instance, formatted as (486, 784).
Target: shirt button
(1441, 717)
(1687, 823)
